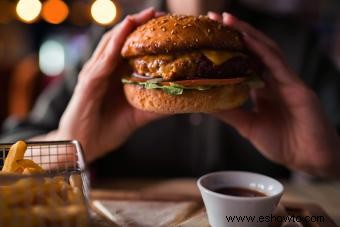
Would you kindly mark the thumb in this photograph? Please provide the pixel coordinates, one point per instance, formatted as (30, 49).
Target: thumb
(240, 119)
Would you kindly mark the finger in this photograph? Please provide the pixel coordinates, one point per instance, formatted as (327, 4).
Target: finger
(264, 47)
(215, 16)
(107, 36)
(280, 71)
(264, 100)
(117, 40)
(143, 16)
(103, 64)
(102, 44)
(111, 53)
(159, 14)
(244, 27)
(240, 119)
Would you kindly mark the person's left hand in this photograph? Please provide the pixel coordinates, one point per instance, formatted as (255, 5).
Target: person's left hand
(287, 124)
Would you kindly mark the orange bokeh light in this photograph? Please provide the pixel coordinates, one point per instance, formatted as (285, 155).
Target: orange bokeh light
(55, 11)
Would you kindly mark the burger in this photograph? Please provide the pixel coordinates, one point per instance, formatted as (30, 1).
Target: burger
(184, 64)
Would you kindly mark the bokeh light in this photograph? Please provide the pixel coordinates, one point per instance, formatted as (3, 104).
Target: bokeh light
(52, 58)
(55, 11)
(28, 10)
(103, 11)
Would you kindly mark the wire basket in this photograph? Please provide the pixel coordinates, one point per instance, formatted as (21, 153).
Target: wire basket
(60, 160)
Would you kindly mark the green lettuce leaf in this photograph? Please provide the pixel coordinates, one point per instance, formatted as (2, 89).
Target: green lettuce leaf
(153, 84)
(177, 89)
(172, 90)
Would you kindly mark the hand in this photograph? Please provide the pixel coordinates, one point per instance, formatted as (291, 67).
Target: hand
(287, 123)
(98, 114)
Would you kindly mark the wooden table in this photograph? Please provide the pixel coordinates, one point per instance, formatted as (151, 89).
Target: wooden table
(325, 194)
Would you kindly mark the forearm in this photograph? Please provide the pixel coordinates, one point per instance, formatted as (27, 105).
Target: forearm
(57, 135)
(51, 136)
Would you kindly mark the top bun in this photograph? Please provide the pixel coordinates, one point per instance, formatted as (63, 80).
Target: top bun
(172, 33)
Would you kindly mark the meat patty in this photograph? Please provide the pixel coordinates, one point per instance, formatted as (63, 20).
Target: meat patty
(191, 65)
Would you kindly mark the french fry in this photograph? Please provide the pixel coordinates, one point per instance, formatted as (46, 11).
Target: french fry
(16, 153)
(75, 181)
(30, 171)
(54, 200)
(36, 201)
(29, 167)
(23, 192)
(18, 217)
(75, 196)
(4, 210)
(63, 187)
(57, 213)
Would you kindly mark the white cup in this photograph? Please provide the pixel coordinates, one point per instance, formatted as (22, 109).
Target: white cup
(222, 208)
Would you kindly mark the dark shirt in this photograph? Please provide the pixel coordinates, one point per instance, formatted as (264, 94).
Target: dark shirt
(194, 144)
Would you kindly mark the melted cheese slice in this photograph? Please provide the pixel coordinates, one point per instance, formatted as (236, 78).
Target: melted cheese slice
(219, 57)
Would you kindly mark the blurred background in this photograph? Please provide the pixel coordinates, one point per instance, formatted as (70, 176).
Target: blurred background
(42, 41)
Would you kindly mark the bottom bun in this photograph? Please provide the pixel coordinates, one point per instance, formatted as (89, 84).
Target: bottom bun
(212, 100)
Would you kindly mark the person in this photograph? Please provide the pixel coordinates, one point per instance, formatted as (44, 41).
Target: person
(287, 125)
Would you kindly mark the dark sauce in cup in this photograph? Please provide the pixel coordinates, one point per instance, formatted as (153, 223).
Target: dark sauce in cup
(240, 192)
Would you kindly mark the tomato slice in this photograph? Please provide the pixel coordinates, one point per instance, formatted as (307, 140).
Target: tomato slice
(193, 83)
(203, 82)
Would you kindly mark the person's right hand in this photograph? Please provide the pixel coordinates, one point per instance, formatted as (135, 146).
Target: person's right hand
(287, 124)
(98, 114)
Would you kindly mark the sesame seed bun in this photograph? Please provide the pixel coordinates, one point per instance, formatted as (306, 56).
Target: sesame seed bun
(173, 33)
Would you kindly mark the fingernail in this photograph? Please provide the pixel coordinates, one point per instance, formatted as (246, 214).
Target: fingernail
(129, 18)
(225, 14)
(228, 18)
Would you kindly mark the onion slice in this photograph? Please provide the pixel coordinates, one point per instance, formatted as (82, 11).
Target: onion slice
(204, 82)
